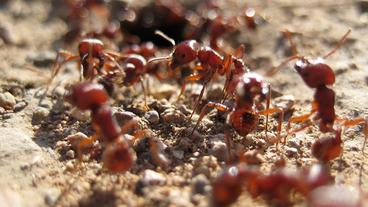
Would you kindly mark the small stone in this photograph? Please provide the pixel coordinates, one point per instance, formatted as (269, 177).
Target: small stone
(76, 138)
(2, 110)
(214, 92)
(69, 166)
(218, 147)
(70, 154)
(165, 91)
(253, 157)
(285, 102)
(172, 116)
(151, 177)
(291, 152)
(271, 138)
(39, 115)
(42, 59)
(199, 184)
(183, 108)
(79, 115)
(178, 154)
(19, 106)
(152, 117)
(7, 101)
(294, 144)
(51, 196)
(124, 116)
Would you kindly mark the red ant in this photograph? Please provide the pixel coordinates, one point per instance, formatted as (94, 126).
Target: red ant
(209, 62)
(276, 187)
(91, 58)
(117, 156)
(250, 89)
(317, 75)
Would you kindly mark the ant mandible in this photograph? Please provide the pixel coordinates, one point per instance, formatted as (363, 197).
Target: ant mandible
(117, 156)
(318, 75)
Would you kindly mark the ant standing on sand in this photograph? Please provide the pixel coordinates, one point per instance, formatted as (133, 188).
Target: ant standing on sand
(118, 155)
(91, 59)
(249, 89)
(318, 75)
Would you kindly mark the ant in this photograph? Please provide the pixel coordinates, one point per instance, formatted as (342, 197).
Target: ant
(209, 62)
(318, 75)
(250, 90)
(275, 187)
(91, 59)
(117, 156)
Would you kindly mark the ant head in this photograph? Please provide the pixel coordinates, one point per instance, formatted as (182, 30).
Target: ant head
(136, 61)
(251, 86)
(184, 53)
(315, 72)
(90, 45)
(227, 188)
(87, 96)
(118, 157)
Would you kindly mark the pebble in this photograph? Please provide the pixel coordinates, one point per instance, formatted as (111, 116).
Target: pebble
(7, 35)
(149, 178)
(172, 115)
(39, 115)
(253, 157)
(271, 138)
(152, 117)
(199, 184)
(43, 58)
(184, 109)
(165, 91)
(20, 105)
(178, 154)
(79, 115)
(218, 147)
(76, 138)
(51, 196)
(2, 110)
(7, 101)
(285, 102)
(291, 152)
(70, 154)
(69, 166)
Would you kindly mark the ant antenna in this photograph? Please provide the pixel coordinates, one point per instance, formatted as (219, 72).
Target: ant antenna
(341, 42)
(163, 35)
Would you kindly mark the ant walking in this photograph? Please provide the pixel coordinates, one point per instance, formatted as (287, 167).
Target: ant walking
(318, 75)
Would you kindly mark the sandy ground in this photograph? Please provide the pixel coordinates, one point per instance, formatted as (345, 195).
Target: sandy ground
(37, 164)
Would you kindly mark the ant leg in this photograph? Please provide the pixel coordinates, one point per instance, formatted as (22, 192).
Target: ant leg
(191, 78)
(226, 65)
(58, 63)
(157, 154)
(357, 121)
(228, 140)
(204, 111)
(158, 157)
(199, 99)
(83, 143)
(279, 126)
(144, 93)
(131, 125)
(341, 42)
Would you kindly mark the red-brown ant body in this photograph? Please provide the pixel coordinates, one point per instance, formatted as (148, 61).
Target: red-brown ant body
(275, 187)
(117, 156)
(91, 56)
(249, 89)
(209, 62)
(318, 75)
